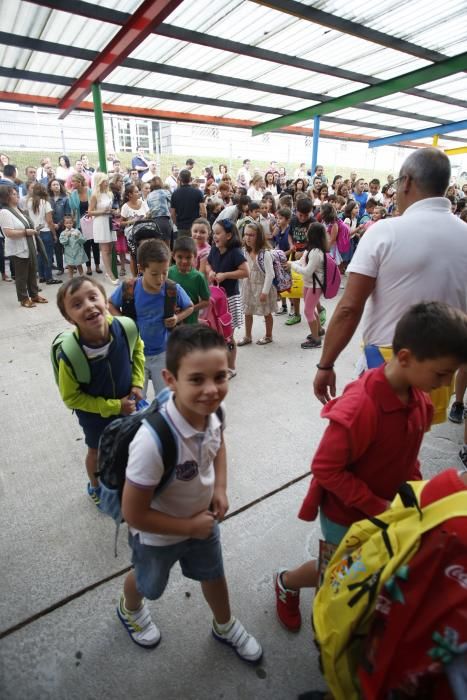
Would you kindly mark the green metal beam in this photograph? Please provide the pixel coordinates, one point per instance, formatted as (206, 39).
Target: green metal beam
(99, 122)
(456, 64)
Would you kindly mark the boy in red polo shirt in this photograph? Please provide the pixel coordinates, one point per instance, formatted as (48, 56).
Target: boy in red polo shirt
(374, 435)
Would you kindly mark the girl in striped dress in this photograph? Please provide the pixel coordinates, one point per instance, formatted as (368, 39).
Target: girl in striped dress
(226, 265)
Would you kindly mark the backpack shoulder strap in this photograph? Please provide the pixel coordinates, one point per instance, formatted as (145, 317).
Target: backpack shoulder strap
(169, 451)
(130, 331)
(316, 280)
(68, 344)
(170, 299)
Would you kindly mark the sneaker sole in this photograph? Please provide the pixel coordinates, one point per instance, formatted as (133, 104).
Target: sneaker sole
(253, 662)
(454, 420)
(293, 630)
(142, 646)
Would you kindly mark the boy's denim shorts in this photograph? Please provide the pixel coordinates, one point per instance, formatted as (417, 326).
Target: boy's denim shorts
(200, 560)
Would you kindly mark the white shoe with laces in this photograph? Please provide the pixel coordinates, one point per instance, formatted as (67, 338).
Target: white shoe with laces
(139, 625)
(245, 646)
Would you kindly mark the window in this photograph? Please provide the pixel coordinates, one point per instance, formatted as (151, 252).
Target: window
(265, 138)
(142, 135)
(308, 141)
(124, 135)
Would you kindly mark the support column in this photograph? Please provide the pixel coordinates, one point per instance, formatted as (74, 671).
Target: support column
(314, 154)
(435, 140)
(100, 134)
(99, 121)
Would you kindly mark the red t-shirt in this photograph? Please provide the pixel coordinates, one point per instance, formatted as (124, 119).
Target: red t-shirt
(368, 450)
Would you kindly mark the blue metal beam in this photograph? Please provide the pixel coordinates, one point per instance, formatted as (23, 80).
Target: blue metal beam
(314, 153)
(420, 134)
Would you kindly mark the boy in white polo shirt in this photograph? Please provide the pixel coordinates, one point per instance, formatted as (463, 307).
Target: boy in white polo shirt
(181, 522)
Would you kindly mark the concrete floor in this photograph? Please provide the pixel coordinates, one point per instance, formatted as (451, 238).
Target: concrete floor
(59, 635)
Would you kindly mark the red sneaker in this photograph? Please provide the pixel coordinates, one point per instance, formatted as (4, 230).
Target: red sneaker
(287, 604)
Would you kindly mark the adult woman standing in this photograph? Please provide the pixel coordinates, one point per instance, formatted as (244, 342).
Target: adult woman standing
(256, 189)
(223, 170)
(19, 245)
(79, 205)
(60, 206)
(158, 202)
(270, 185)
(100, 207)
(64, 169)
(40, 213)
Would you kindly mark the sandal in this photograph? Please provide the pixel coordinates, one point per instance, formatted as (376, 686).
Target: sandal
(40, 300)
(27, 303)
(264, 341)
(231, 373)
(244, 341)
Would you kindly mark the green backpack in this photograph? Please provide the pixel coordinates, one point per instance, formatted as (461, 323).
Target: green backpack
(66, 343)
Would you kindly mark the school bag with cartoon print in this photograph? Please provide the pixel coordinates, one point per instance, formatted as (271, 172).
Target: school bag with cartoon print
(372, 555)
(282, 277)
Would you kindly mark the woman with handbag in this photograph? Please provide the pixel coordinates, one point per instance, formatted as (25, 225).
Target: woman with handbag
(79, 205)
(20, 237)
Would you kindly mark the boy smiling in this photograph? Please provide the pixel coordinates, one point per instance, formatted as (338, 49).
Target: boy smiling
(180, 523)
(115, 354)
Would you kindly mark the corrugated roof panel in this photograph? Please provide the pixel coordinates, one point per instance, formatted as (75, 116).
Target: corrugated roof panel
(428, 23)
(382, 119)
(198, 16)
(455, 85)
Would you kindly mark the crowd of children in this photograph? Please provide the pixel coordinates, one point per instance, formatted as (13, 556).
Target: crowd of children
(149, 329)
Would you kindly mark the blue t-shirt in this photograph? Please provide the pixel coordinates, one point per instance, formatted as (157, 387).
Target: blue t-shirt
(281, 241)
(361, 199)
(150, 314)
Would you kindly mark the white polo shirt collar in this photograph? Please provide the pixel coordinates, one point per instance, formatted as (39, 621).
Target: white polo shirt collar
(433, 203)
(185, 429)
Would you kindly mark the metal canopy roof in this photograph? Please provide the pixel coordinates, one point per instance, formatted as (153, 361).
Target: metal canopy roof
(239, 62)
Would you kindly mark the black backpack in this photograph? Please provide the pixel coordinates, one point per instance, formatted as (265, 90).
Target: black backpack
(142, 231)
(128, 298)
(114, 445)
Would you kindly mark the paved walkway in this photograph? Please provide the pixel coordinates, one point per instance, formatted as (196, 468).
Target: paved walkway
(59, 635)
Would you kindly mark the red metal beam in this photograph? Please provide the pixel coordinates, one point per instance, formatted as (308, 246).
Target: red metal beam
(142, 112)
(144, 21)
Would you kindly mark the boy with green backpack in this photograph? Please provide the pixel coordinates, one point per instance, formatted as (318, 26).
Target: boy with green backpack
(375, 432)
(99, 367)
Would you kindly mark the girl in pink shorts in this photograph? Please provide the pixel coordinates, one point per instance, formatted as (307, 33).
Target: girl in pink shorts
(311, 265)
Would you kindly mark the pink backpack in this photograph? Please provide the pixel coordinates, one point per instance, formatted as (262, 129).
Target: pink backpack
(217, 314)
(332, 278)
(343, 237)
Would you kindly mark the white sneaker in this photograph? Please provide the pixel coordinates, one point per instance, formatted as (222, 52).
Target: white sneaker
(139, 625)
(241, 642)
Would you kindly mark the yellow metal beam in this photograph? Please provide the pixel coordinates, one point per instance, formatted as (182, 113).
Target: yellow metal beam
(435, 140)
(456, 151)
